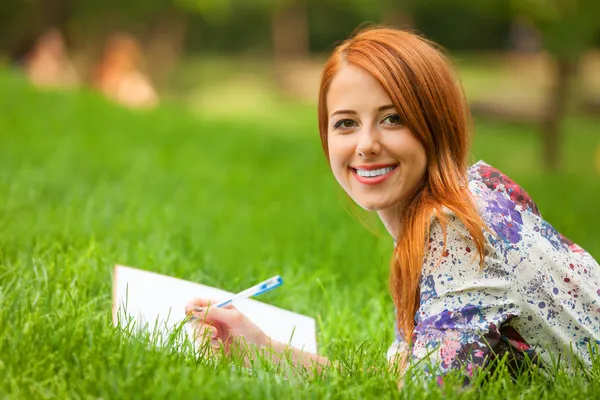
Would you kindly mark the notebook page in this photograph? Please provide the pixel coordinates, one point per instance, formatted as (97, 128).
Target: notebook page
(148, 297)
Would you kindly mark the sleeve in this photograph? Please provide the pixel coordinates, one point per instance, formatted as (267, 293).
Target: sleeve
(462, 306)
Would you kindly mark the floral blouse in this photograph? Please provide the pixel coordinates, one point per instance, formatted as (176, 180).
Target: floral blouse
(537, 294)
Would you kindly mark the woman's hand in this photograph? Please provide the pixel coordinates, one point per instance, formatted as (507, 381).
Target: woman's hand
(224, 326)
(228, 328)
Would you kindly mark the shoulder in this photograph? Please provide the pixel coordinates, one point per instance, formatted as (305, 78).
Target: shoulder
(505, 208)
(451, 273)
(488, 184)
(449, 242)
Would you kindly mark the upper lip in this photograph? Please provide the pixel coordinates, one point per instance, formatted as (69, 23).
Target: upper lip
(372, 166)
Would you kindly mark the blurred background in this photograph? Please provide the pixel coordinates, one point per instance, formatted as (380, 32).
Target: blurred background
(521, 61)
(180, 137)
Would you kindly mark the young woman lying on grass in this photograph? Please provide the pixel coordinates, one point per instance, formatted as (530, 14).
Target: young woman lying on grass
(476, 270)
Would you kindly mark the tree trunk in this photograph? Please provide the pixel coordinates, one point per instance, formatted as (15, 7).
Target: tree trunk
(290, 32)
(165, 44)
(555, 112)
(291, 48)
(396, 17)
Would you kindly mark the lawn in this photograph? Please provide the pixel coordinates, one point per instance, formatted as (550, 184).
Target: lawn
(224, 201)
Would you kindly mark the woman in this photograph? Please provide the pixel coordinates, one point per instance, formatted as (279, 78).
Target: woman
(476, 270)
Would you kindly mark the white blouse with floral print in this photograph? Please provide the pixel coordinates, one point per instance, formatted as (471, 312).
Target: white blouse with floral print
(538, 293)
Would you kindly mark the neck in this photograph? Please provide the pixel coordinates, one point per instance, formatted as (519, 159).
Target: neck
(391, 220)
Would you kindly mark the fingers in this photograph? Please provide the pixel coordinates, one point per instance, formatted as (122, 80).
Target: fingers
(201, 309)
(205, 331)
(206, 338)
(197, 305)
(231, 318)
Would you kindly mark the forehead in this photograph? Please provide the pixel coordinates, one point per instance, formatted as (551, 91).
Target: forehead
(354, 88)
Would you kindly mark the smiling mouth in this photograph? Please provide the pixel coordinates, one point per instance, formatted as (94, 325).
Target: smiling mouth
(373, 173)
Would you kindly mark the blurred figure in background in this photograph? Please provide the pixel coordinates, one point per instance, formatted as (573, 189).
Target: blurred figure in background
(48, 65)
(118, 74)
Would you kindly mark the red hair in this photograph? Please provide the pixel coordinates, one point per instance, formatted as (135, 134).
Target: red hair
(429, 99)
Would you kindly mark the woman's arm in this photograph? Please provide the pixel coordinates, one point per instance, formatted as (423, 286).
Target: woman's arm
(229, 328)
(299, 358)
(462, 307)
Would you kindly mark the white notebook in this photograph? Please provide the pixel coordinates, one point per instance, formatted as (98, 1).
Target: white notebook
(153, 300)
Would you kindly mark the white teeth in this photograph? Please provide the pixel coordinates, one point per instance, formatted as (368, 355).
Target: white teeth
(370, 173)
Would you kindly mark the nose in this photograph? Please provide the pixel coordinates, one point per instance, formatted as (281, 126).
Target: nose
(368, 143)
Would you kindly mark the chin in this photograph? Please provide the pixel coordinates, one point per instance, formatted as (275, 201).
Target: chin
(374, 205)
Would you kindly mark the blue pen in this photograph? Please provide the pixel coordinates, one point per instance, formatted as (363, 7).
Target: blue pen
(254, 291)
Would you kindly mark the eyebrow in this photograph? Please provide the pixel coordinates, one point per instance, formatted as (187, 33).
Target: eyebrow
(379, 109)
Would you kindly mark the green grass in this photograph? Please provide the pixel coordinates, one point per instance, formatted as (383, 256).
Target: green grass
(223, 201)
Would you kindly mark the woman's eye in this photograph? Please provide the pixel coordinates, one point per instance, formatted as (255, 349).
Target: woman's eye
(344, 123)
(393, 119)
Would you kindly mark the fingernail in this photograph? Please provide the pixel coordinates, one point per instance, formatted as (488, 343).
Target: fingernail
(215, 344)
(198, 309)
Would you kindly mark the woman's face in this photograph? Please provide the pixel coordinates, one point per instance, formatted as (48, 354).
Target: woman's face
(373, 156)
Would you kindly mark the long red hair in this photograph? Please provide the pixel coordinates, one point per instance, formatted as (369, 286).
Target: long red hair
(430, 101)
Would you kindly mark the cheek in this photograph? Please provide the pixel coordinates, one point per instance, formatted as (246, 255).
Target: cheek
(339, 158)
(337, 169)
(418, 155)
(421, 160)
(420, 167)
(339, 152)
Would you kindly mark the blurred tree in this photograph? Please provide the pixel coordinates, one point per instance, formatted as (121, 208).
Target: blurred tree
(451, 24)
(464, 24)
(291, 38)
(23, 22)
(291, 27)
(169, 29)
(161, 25)
(568, 29)
(398, 14)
